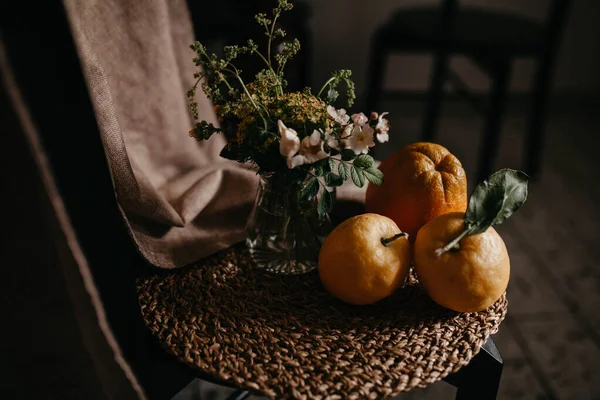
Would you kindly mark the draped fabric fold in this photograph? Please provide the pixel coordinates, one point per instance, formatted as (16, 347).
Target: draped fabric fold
(180, 200)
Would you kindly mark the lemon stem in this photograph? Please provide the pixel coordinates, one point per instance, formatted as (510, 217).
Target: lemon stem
(455, 244)
(386, 241)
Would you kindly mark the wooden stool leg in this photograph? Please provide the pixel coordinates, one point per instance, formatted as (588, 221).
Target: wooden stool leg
(481, 378)
(493, 125)
(436, 94)
(535, 137)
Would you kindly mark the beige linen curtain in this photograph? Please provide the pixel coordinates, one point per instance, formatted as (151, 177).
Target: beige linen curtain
(181, 200)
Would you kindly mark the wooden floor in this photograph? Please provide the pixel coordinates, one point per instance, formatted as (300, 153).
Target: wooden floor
(550, 340)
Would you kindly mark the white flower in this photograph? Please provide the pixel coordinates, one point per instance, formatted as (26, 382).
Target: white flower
(382, 128)
(295, 161)
(339, 116)
(359, 119)
(347, 132)
(289, 144)
(311, 150)
(331, 140)
(361, 139)
(382, 137)
(382, 123)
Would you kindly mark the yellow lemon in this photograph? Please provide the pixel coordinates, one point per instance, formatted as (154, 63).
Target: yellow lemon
(468, 279)
(365, 259)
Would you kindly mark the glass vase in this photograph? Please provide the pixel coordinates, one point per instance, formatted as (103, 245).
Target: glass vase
(283, 234)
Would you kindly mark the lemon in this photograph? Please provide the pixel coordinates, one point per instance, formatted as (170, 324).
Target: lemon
(468, 279)
(357, 266)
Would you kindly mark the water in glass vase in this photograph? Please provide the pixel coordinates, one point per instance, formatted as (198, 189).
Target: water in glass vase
(284, 235)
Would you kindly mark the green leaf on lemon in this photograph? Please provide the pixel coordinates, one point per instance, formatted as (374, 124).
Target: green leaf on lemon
(496, 199)
(493, 201)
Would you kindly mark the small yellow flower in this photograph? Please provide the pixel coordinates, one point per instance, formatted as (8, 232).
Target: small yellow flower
(246, 123)
(241, 136)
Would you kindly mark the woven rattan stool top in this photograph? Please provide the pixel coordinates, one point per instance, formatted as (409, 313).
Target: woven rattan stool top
(286, 337)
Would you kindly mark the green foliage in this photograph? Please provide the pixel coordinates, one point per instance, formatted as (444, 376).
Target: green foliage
(348, 155)
(363, 161)
(374, 176)
(358, 177)
(345, 76)
(331, 164)
(204, 130)
(344, 170)
(223, 81)
(325, 203)
(309, 191)
(363, 169)
(319, 169)
(249, 108)
(333, 180)
(496, 199)
(492, 202)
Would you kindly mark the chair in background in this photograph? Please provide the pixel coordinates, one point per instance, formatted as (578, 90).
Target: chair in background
(492, 40)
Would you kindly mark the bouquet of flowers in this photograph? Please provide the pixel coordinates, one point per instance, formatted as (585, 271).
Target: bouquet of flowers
(298, 138)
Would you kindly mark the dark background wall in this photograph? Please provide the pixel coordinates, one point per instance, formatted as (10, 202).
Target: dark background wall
(344, 27)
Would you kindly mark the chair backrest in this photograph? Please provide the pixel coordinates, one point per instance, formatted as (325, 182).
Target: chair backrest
(554, 21)
(447, 13)
(554, 24)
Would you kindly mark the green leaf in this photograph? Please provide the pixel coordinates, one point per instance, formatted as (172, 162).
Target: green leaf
(348, 155)
(325, 203)
(496, 199)
(333, 180)
(309, 191)
(331, 164)
(374, 176)
(358, 177)
(344, 171)
(363, 161)
(318, 169)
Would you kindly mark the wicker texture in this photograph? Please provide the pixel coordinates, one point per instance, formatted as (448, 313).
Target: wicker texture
(286, 337)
